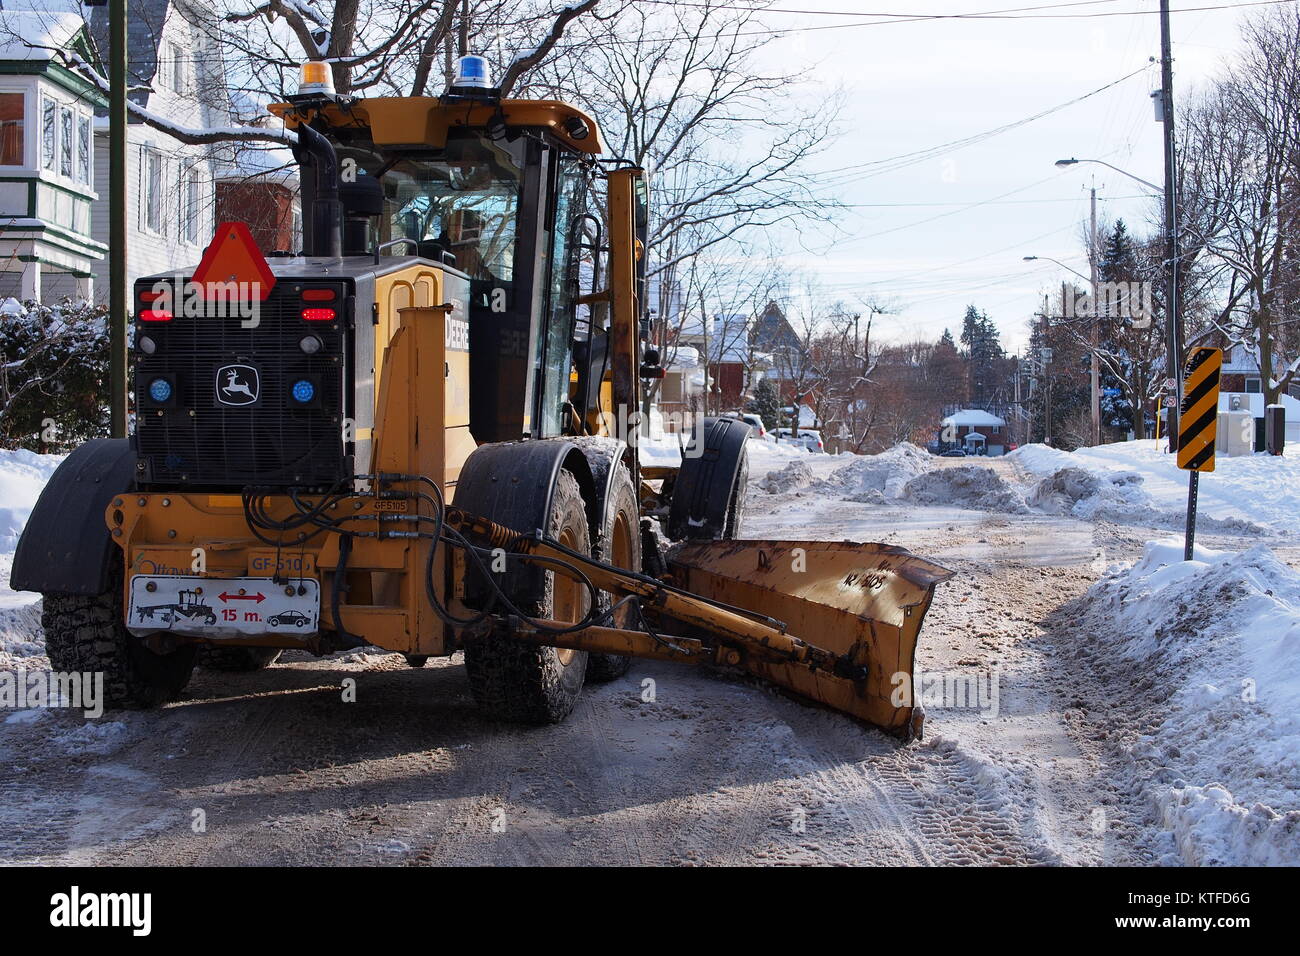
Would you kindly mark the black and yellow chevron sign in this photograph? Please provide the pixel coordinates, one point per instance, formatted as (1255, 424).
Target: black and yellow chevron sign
(1198, 415)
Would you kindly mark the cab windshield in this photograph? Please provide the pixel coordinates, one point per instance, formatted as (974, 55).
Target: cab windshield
(463, 203)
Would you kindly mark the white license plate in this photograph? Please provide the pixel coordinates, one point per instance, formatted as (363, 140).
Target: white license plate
(222, 607)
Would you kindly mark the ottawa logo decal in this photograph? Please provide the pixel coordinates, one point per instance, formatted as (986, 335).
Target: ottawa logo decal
(238, 385)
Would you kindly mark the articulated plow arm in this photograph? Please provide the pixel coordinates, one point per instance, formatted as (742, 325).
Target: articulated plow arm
(743, 603)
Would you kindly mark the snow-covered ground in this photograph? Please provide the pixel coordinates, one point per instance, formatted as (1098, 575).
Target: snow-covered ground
(1149, 708)
(22, 476)
(1198, 662)
(1202, 662)
(1252, 491)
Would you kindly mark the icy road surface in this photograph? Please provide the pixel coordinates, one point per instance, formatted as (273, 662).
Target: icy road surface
(667, 765)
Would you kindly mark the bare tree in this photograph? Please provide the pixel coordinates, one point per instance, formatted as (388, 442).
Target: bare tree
(373, 47)
(1242, 149)
(677, 89)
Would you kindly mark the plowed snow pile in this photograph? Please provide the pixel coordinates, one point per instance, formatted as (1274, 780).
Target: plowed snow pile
(965, 486)
(792, 477)
(875, 478)
(22, 476)
(1137, 483)
(1202, 660)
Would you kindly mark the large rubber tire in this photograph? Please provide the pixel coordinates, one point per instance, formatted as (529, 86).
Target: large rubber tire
(736, 509)
(709, 490)
(238, 659)
(528, 683)
(621, 547)
(86, 634)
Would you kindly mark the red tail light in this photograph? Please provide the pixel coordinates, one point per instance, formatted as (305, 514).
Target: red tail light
(319, 295)
(155, 315)
(150, 296)
(318, 315)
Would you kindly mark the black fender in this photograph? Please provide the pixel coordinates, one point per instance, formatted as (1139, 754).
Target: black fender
(706, 493)
(65, 547)
(512, 484)
(602, 455)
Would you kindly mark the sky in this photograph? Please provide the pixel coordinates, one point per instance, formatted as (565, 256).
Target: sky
(912, 86)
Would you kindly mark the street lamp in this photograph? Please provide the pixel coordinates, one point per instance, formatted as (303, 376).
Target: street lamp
(1059, 263)
(1063, 163)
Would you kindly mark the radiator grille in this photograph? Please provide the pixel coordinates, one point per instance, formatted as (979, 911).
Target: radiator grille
(194, 440)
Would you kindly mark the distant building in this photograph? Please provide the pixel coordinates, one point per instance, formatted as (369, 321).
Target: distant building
(974, 431)
(681, 391)
(735, 365)
(48, 248)
(1241, 372)
(177, 191)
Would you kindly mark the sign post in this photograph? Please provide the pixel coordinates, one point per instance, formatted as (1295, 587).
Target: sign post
(1198, 418)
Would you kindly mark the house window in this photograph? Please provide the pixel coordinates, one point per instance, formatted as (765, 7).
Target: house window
(190, 208)
(65, 141)
(49, 133)
(177, 69)
(84, 146)
(12, 109)
(1253, 386)
(153, 190)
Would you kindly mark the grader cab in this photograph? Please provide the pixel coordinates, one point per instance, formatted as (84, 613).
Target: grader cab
(420, 432)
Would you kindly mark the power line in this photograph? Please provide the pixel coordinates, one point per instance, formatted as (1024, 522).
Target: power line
(892, 18)
(903, 160)
(987, 202)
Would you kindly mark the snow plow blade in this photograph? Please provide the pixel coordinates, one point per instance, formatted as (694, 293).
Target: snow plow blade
(862, 603)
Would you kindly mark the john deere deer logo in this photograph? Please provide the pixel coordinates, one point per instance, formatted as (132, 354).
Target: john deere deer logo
(237, 385)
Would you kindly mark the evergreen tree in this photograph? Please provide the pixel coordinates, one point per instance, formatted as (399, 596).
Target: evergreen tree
(766, 404)
(985, 359)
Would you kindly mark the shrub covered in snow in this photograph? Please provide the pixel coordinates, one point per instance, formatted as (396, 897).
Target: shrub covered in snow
(54, 375)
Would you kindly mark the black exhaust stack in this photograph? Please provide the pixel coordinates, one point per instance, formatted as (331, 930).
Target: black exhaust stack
(323, 214)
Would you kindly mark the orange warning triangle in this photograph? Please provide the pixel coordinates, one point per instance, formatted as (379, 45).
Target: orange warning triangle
(233, 256)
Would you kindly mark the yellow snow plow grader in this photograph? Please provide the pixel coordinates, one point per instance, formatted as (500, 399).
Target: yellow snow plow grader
(420, 433)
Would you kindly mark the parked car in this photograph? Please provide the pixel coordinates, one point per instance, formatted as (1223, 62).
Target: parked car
(755, 423)
(954, 453)
(807, 437)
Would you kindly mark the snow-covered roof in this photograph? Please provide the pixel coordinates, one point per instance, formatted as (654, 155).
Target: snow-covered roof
(34, 34)
(1254, 403)
(972, 416)
(684, 357)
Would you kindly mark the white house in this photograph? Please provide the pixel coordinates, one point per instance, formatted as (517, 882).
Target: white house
(177, 74)
(48, 248)
(975, 431)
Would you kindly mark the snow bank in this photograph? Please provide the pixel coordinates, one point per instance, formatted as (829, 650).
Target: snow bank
(793, 476)
(764, 456)
(874, 478)
(1203, 658)
(1248, 494)
(22, 476)
(965, 486)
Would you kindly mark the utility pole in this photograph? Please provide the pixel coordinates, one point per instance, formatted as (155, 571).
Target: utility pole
(1045, 356)
(1173, 320)
(117, 300)
(1096, 363)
